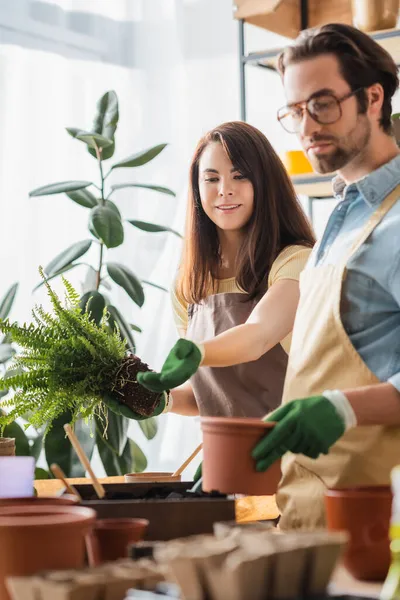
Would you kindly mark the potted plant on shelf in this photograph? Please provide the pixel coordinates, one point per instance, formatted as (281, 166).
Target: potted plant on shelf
(119, 453)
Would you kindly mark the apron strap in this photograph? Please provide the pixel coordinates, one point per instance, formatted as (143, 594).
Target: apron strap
(373, 221)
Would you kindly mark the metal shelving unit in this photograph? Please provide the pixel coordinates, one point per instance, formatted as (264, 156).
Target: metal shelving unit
(316, 187)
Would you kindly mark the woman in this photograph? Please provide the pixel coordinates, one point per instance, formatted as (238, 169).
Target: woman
(247, 240)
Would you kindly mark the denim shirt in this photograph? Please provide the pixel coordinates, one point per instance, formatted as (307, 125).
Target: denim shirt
(370, 302)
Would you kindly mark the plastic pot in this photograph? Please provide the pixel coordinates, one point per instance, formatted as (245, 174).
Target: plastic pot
(228, 466)
(364, 512)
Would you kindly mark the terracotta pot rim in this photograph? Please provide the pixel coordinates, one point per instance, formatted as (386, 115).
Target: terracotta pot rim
(358, 492)
(150, 474)
(31, 500)
(7, 440)
(45, 515)
(123, 523)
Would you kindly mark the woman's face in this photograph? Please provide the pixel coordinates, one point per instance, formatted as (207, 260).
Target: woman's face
(227, 196)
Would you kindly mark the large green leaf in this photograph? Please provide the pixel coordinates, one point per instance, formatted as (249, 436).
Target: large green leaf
(139, 460)
(41, 474)
(155, 285)
(107, 225)
(124, 330)
(140, 158)
(58, 448)
(83, 197)
(13, 430)
(113, 207)
(149, 427)
(105, 122)
(127, 280)
(59, 188)
(36, 446)
(66, 257)
(6, 352)
(57, 274)
(90, 138)
(111, 443)
(7, 301)
(152, 227)
(155, 188)
(93, 302)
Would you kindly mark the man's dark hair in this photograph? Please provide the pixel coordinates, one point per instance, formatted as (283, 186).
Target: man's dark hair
(362, 61)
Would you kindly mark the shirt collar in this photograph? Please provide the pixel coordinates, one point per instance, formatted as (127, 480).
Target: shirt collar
(374, 187)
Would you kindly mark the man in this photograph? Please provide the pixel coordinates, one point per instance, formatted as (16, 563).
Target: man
(339, 84)
(340, 420)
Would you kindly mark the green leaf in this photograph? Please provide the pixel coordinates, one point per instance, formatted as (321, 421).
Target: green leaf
(58, 448)
(6, 352)
(66, 257)
(149, 427)
(94, 303)
(7, 301)
(114, 207)
(127, 280)
(41, 473)
(57, 274)
(155, 285)
(92, 139)
(105, 122)
(59, 188)
(112, 444)
(107, 225)
(155, 188)
(135, 328)
(141, 158)
(139, 460)
(13, 430)
(124, 330)
(83, 197)
(36, 447)
(152, 227)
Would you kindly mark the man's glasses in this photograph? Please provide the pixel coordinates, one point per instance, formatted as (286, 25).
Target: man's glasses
(325, 109)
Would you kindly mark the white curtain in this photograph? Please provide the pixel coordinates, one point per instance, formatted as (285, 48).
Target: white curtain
(174, 66)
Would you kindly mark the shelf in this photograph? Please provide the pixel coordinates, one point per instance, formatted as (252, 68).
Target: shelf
(389, 39)
(315, 186)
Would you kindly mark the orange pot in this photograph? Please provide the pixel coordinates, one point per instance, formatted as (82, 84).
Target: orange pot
(227, 463)
(110, 538)
(364, 513)
(66, 499)
(34, 538)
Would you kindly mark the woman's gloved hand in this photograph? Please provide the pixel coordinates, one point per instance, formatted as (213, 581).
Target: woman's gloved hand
(309, 426)
(182, 362)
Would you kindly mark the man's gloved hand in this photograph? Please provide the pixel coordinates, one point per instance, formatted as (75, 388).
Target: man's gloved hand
(182, 362)
(309, 426)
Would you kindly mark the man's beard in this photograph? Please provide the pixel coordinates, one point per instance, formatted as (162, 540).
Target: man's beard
(347, 148)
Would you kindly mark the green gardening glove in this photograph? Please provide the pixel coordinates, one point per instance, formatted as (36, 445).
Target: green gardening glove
(182, 362)
(309, 426)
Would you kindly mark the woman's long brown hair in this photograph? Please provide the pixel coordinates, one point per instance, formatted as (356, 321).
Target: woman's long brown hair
(277, 220)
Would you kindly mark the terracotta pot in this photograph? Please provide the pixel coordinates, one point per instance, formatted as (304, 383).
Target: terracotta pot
(151, 477)
(227, 463)
(7, 446)
(364, 513)
(110, 538)
(42, 537)
(66, 499)
(373, 15)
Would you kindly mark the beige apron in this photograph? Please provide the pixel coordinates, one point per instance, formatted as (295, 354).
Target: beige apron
(247, 390)
(322, 357)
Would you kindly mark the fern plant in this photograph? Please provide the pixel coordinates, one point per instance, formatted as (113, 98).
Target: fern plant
(69, 363)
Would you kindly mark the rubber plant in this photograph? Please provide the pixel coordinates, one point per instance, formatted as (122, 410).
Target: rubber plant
(118, 453)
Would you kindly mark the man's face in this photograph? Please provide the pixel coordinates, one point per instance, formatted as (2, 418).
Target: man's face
(328, 147)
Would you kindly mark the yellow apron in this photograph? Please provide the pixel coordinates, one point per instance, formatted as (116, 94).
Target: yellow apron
(322, 357)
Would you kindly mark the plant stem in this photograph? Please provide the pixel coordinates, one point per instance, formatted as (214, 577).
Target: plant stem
(98, 275)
